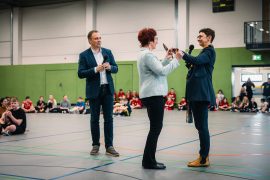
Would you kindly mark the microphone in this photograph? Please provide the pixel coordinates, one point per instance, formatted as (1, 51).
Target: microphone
(191, 47)
(105, 58)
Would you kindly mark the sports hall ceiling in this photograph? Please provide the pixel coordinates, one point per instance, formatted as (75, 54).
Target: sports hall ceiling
(5, 4)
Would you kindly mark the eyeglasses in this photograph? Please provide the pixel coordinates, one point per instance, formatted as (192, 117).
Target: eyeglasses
(156, 38)
(200, 36)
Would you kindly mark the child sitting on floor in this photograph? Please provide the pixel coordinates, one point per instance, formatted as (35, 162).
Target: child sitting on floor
(169, 105)
(122, 108)
(136, 103)
(182, 104)
(14, 120)
(224, 105)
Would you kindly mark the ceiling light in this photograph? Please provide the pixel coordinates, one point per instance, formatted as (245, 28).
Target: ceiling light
(261, 29)
(251, 24)
(267, 32)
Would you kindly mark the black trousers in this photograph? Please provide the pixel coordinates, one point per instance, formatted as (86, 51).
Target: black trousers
(104, 100)
(155, 111)
(200, 114)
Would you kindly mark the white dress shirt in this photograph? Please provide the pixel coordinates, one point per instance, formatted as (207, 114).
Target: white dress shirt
(99, 59)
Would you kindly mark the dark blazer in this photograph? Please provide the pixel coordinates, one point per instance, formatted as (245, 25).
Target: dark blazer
(87, 64)
(199, 85)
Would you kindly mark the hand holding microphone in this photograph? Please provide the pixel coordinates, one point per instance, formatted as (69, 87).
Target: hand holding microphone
(106, 65)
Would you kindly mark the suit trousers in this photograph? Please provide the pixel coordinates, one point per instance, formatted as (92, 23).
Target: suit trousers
(104, 100)
(155, 111)
(200, 114)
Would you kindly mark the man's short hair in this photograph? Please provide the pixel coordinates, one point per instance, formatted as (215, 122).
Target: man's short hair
(208, 32)
(89, 36)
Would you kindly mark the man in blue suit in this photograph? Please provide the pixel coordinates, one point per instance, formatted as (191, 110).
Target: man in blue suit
(200, 92)
(96, 65)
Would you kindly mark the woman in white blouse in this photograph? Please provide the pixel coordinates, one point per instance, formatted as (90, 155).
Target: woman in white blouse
(153, 87)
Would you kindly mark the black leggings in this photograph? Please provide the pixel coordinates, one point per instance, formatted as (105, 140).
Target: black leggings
(155, 111)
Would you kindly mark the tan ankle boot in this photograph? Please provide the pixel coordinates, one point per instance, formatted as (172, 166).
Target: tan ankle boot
(197, 163)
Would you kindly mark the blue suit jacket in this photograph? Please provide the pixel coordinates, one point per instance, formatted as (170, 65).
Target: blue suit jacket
(199, 85)
(87, 64)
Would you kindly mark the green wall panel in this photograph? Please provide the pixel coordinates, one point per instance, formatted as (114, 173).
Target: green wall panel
(30, 80)
(34, 82)
(61, 82)
(14, 81)
(222, 72)
(177, 80)
(124, 77)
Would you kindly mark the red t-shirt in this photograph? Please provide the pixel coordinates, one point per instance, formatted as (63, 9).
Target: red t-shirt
(169, 105)
(136, 103)
(121, 94)
(27, 104)
(172, 96)
(225, 104)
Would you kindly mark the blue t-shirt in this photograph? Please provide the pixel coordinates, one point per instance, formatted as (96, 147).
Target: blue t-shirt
(80, 104)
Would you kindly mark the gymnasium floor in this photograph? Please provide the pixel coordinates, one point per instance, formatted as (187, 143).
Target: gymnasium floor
(56, 146)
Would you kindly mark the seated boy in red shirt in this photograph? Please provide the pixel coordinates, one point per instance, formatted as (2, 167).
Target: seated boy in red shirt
(224, 105)
(182, 104)
(172, 95)
(27, 105)
(135, 103)
(121, 94)
(169, 105)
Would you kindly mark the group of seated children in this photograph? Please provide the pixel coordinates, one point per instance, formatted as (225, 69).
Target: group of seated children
(241, 103)
(249, 106)
(81, 107)
(131, 97)
(125, 102)
(122, 108)
(171, 101)
(12, 117)
(51, 106)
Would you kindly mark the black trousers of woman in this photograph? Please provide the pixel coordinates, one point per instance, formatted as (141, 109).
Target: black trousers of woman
(200, 113)
(155, 111)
